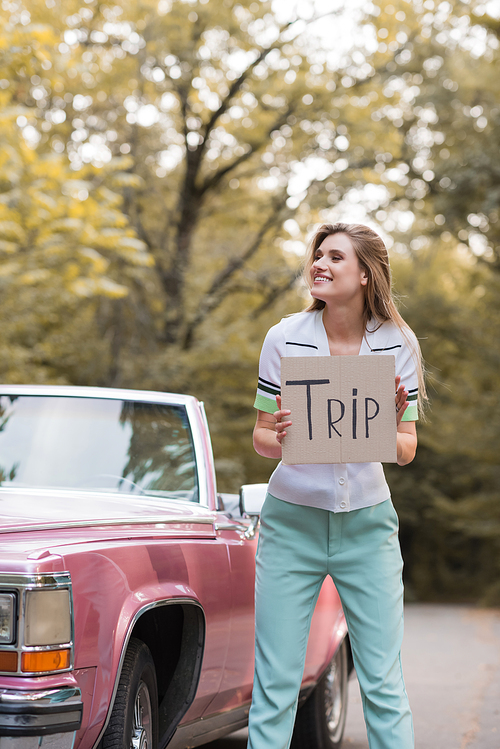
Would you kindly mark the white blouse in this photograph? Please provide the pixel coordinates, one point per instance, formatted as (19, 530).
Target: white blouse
(339, 487)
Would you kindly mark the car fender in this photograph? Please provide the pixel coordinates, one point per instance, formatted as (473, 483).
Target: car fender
(108, 607)
(170, 713)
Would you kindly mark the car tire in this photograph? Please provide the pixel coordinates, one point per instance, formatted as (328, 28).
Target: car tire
(320, 721)
(134, 719)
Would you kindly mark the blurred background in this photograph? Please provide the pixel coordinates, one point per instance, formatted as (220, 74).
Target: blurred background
(162, 164)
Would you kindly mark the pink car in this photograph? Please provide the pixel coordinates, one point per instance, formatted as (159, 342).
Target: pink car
(126, 581)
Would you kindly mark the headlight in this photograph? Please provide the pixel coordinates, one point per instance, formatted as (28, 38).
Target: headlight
(47, 617)
(36, 623)
(7, 619)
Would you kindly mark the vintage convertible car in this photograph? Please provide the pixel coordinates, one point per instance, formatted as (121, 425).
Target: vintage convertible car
(126, 581)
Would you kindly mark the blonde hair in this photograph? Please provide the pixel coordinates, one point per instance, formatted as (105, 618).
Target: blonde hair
(379, 304)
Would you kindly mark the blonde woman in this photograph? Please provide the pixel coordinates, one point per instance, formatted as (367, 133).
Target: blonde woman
(334, 519)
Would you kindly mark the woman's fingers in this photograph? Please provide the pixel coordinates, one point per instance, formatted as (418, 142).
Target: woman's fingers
(282, 423)
(401, 402)
(281, 427)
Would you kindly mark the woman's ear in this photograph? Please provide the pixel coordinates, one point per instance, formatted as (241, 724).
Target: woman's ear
(364, 276)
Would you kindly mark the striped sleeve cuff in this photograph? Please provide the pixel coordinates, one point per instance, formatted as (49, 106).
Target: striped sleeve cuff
(265, 400)
(411, 413)
(265, 404)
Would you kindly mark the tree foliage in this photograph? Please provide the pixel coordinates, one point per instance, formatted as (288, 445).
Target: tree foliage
(65, 241)
(444, 93)
(162, 164)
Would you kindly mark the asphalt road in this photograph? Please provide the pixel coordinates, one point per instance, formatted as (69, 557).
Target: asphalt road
(451, 662)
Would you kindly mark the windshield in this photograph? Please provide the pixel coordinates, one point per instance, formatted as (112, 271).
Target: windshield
(98, 445)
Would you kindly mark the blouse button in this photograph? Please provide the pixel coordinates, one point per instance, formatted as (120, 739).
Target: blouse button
(342, 481)
(343, 505)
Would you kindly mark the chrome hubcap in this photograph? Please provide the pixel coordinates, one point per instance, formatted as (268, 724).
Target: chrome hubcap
(335, 685)
(142, 730)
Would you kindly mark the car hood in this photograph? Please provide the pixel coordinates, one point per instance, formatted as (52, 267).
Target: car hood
(30, 509)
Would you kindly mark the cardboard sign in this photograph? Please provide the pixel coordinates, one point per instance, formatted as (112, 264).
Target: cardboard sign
(343, 409)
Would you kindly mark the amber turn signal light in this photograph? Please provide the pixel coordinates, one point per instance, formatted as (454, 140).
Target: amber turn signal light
(46, 660)
(8, 661)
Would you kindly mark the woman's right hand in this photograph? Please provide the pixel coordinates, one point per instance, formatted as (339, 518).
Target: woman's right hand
(282, 423)
(269, 431)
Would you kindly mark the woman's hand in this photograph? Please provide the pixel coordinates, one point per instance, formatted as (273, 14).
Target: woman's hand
(401, 402)
(407, 431)
(270, 430)
(281, 421)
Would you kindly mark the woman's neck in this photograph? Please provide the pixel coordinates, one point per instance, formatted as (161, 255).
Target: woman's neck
(344, 329)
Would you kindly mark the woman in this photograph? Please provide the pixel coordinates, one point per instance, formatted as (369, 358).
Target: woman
(334, 519)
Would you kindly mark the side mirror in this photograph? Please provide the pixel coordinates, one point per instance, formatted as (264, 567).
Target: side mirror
(252, 498)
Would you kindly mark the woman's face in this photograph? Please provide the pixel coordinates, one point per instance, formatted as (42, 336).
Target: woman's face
(336, 274)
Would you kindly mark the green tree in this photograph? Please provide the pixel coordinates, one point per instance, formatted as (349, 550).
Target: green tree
(161, 163)
(442, 92)
(65, 243)
(219, 108)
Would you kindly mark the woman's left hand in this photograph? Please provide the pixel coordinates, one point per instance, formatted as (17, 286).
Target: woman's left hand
(401, 402)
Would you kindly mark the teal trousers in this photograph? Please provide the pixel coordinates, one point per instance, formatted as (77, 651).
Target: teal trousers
(298, 547)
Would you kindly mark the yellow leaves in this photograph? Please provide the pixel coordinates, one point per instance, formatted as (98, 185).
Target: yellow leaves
(88, 287)
(109, 218)
(117, 219)
(8, 247)
(98, 262)
(109, 288)
(118, 163)
(134, 251)
(76, 188)
(76, 237)
(11, 231)
(131, 243)
(26, 155)
(33, 277)
(83, 287)
(66, 225)
(130, 248)
(71, 271)
(50, 167)
(10, 165)
(43, 199)
(107, 238)
(110, 198)
(52, 248)
(9, 269)
(156, 305)
(43, 33)
(10, 113)
(26, 43)
(79, 211)
(142, 259)
(127, 179)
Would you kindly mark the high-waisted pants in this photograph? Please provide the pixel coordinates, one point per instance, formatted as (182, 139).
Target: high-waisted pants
(298, 547)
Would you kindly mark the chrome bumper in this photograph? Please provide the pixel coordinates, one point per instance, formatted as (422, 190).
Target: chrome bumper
(43, 718)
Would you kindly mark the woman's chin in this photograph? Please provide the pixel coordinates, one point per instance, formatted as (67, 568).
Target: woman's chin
(317, 294)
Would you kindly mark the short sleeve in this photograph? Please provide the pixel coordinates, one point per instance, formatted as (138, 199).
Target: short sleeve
(406, 368)
(269, 383)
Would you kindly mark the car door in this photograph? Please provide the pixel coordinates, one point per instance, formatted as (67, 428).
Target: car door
(237, 679)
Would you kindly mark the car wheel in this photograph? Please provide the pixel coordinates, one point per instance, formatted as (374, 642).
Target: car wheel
(320, 721)
(134, 719)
